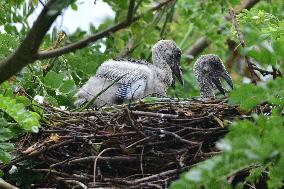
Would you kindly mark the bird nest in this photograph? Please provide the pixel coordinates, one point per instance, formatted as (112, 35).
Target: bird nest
(143, 145)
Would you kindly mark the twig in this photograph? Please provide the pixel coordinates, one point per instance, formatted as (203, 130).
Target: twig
(48, 171)
(76, 182)
(96, 160)
(91, 102)
(179, 138)
(241, 39)
(114, 159)
(137, 142)
(141, 162)
(168, 15)
(132, 123)
(163, 174)
(162, 131)
(275, 72)
(36, 153)
(151, 114)
(130, 46)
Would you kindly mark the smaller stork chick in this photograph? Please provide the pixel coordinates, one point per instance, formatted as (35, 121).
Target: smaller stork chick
(138, 78)
(208, 69)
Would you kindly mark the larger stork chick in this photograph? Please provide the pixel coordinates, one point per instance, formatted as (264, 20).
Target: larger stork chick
(137, 78)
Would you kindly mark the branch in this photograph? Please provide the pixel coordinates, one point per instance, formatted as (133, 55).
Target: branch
(6, 185)
(130, 46)
(202, 43)
(152, 114)
(242, 41)
(275, 72)
(85, 42)
(25, 54)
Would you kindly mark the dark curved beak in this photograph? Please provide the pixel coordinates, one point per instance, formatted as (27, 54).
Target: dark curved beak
(178, 73)
(228, 79)
(225, 75)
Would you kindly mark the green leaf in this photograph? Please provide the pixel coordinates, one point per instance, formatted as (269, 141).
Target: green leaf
(6, 146)
(74, 6)
(248, 96)
(5, 134)
(53, 80)
(5, 157)
(26, 119)
(68, 87)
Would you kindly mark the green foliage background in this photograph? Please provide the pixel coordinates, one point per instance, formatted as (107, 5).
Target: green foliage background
(256, 144)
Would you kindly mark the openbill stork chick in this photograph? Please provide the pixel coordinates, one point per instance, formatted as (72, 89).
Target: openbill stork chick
(138, 78)
(208, 69)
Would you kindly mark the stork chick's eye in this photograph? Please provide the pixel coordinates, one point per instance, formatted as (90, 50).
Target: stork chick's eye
(217, 66)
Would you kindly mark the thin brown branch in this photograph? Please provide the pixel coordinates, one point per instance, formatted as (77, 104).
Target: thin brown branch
(85, 42)
(254, 77)
(163, 174)
(180, 138)
(132, 123)
(151, 114)
(36, 153)
(201, 44)
(96, 160)
(130, 46)
(275, 72)
(25, 53)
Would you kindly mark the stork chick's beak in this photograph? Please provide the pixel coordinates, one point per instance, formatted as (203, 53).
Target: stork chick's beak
(178, 73)
(218, 84)
(228, 79)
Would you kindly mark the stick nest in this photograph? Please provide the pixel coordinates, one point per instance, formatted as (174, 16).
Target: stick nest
(145, 145)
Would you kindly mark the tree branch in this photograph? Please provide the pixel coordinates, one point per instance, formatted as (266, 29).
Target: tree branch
(6, 185)
(25, 54)
(242, 41)
(85, 42)
(202, 43)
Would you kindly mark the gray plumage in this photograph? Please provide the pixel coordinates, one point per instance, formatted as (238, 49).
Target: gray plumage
(138, 78)
(208, 69)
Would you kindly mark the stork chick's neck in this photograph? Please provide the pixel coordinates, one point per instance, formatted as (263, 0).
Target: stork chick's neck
(205, 85)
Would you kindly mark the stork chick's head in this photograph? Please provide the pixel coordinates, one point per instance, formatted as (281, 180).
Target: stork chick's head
(167, 53)
(208, 70)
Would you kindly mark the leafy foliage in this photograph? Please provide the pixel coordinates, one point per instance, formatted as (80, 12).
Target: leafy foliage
(256, 145)
(249, 96)
(14, 119)
(249, 144)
